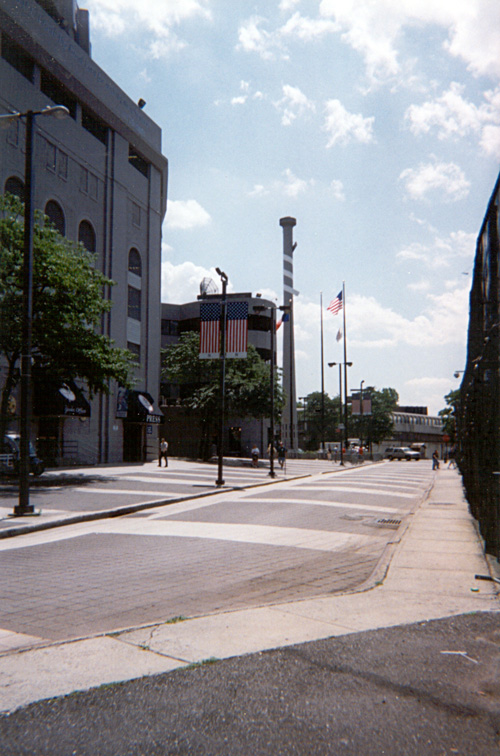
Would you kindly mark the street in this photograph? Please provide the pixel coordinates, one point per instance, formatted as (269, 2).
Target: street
(298, 538)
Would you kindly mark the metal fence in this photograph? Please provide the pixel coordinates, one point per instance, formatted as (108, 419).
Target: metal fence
(478, 410)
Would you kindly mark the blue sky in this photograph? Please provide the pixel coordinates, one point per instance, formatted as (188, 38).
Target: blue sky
(375, 124)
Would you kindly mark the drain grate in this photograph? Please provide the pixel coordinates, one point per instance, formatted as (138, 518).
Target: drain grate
(441, 503)
(388, 523)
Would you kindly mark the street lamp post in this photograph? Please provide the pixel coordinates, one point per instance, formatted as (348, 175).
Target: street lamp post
(222, 376)
(260, 309)
(24, 507)
(345, 365)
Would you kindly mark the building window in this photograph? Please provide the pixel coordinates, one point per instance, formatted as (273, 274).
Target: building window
(94, 125)
(88, 183)
(134, 262)
(13, 133)
(50, 156)
(62, 164)
(54, 212)
(15, 186)
(59, 95)
(15, 55)
(139, 163)
(135, 349)
(86, 235)
(169, 327)
(136, 214)
(134, 303)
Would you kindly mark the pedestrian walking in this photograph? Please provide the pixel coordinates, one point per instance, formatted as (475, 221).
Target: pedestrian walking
(435, 460)
(163, 452)
(255, 453)
(281, 454)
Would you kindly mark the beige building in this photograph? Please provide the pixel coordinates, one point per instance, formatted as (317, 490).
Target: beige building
(101, 178)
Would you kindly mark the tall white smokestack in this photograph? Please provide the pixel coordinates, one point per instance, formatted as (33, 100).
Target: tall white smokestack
(289, 417)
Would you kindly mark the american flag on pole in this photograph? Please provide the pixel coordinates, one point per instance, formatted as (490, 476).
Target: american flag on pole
(237, 329)
(335, 305)
(210, 331)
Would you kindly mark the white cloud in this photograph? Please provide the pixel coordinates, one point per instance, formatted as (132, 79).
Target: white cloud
(184, 214)
(428, 391)
(307, 29)
(443, 321)
(293, 186)
(253, 38)
(181, 283)
(443, 252)
(158, 17)
(337, 189)
(445, 180)
(453, 116)
(419, 286)
(344, 127)
(294, 104)
(374, 29)
(289, 186)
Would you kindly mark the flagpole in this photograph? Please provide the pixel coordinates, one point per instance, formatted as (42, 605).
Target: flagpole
(346, 436)
(322, 379)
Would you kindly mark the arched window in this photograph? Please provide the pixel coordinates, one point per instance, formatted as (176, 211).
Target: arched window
(14, 185)
(86, 235)
(56, 216)
(134, 262)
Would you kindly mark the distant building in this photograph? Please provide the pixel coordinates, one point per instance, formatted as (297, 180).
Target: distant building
(101, 179)
(240, 434)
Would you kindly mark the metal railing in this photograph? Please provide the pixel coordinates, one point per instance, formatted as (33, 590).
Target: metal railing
(478, 409)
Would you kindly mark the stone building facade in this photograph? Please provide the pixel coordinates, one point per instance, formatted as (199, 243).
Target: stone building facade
(101, 178)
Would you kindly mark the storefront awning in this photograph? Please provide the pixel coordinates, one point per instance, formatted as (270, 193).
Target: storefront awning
(60, 400)
(138, 407)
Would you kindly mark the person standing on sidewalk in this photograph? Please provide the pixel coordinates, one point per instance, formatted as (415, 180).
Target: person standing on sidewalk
(281, 454)
(255, 453)
(163, 452)
(435, 460)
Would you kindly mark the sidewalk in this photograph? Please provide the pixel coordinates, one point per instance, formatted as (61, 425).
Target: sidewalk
(429, 573)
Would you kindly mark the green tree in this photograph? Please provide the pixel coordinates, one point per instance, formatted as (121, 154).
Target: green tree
(378, 426)
(68, 307)
(247, 385)
(315, 418)
(449, 414)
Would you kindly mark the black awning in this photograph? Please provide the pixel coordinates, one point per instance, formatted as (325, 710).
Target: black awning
(60, 400)
(141, 409)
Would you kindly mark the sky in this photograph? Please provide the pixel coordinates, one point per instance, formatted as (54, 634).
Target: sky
(375, 124)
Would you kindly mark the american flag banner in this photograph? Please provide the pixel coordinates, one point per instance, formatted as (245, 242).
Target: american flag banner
(237, 329)
(335, 305)
(210, 331)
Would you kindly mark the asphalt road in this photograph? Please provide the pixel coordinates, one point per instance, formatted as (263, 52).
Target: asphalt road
(237, 549)
(430, 689)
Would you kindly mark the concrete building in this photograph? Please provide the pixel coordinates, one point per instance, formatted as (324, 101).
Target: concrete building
(101, 178)
(178, 427)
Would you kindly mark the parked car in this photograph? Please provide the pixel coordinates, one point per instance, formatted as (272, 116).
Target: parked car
(401, 452)
(10, 452)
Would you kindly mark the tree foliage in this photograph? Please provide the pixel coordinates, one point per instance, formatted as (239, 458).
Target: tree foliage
(320, 422)
(68, 306)
(373, 428)
(449, 414)
(247, 389)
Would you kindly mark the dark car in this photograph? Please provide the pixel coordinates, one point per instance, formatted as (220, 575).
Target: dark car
(401, 452)
(10, 452)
